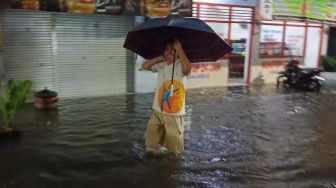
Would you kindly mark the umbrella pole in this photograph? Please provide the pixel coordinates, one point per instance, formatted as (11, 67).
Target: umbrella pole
(172, 80)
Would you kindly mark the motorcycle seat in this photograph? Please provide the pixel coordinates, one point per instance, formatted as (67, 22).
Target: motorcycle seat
(310, 70)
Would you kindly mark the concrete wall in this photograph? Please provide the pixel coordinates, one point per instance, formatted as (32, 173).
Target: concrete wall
(330, 76)
(213, 75)
(145, 81)
(267, 70)
(210, 74)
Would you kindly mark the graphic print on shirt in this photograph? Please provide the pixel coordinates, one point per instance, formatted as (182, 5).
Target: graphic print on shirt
(171, 104)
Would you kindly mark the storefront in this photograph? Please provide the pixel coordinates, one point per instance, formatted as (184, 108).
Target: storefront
(264, 36)
(77, 55)
(75, 46)
(280, 42)
(233, 21)
(281, 35)
(81, 55)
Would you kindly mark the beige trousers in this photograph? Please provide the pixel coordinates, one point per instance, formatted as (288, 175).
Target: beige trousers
(165, 130)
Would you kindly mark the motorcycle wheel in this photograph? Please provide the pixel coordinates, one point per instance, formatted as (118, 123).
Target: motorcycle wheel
(283, 80)
(314, 85)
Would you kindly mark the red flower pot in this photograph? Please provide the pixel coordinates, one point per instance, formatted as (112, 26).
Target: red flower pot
(46, 99)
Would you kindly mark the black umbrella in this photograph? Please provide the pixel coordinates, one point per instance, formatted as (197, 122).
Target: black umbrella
(200, 43)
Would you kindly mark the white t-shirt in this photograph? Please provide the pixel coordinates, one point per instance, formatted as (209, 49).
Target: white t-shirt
(163, 101)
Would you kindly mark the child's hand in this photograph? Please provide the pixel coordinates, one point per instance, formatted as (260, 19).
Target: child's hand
(177, 44)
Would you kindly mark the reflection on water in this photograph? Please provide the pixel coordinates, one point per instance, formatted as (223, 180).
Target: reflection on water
(235, 137)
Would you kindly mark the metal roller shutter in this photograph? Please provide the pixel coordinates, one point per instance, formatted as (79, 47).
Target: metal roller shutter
(1, 43)
(75, 54)
(27, 47)
(90, 55)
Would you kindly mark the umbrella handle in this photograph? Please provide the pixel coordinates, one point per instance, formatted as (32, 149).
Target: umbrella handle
(171, 89)
(172, 80)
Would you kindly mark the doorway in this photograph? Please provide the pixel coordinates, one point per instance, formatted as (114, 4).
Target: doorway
(238, 58)
(332, 42)
(233, 23)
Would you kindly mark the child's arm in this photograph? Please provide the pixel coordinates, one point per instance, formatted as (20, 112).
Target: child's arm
(148, 64)
(185, 63)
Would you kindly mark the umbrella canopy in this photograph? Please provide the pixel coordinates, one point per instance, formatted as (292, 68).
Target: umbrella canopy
(200, 43)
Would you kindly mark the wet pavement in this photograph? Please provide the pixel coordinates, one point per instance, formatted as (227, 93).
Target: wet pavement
(235, 137)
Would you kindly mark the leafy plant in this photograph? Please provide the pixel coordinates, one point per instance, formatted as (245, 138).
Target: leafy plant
(12, 99)
(329, 63)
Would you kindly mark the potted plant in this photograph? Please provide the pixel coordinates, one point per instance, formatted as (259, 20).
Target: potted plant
(46, 99)
(12, 99)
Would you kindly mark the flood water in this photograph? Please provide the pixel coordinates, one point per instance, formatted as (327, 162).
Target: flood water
(234, 137)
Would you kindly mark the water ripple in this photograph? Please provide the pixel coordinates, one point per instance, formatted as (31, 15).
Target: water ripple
(234, 137)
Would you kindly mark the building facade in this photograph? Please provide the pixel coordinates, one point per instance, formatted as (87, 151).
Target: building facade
(80, 54)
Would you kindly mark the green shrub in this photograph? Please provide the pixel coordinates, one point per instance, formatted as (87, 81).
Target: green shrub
(329, 63)
(12, 99)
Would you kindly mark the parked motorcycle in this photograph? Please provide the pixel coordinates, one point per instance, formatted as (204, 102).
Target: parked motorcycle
(298, 78)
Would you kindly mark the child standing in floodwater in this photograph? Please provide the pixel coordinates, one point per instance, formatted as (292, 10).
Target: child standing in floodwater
(165, 127)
